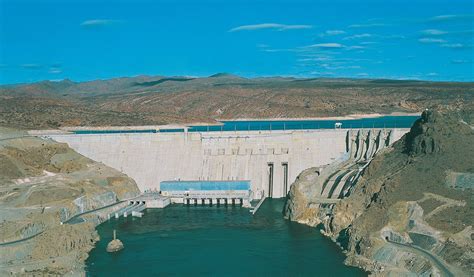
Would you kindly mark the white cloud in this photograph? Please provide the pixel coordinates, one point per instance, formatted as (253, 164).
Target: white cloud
(98, 22)
(394, 37)
(278, 50)
(337, 67)
(449, 17)
(273, 26)
(295, 27)
(330, 45)
(432, 74)
(368, 25)
(55, 70)
(433, 32)
(367, 42)
(358, 36)
(455, 45)
(436, 32)
(316, 59)
(31, 66)
(332, 33)
(461, 61)
(431, 40)
(356, 47)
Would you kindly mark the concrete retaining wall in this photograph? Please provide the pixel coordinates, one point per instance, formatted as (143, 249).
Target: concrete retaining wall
(150, 158)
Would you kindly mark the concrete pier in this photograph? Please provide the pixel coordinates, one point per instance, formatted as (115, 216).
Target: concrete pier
(136, 205)
(217, 202)
(254, 210)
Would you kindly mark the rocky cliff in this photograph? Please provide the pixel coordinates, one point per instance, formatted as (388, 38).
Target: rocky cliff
(42, 184)
(411, 211)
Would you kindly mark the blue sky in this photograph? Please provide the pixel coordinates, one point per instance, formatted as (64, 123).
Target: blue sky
(86, 40)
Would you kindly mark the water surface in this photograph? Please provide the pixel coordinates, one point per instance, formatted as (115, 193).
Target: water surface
(307, 124)
(390, 121)
(216, 241)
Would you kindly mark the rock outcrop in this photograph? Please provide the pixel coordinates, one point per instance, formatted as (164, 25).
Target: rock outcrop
(299, 206)
(43, 184)
(114, 245)
(411, 210)
(317, 189)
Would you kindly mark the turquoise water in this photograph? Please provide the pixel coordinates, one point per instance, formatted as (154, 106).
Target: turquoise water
(374, 122)
(255, 125)
(178, 241)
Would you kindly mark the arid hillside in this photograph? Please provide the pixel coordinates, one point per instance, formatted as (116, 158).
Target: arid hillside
(412, 209)
(43, 184)
(155, 100)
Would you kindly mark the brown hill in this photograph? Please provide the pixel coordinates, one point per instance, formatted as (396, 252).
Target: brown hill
(151, 100)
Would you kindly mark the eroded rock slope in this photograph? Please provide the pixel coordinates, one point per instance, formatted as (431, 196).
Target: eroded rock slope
(42, 184)
(411, 211)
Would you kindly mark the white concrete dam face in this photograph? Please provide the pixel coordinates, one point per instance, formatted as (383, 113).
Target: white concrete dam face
(271, 160)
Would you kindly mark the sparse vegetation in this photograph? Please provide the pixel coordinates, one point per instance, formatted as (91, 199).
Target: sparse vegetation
(158, 100)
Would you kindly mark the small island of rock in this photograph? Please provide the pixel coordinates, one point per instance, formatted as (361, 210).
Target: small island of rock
(114, 245)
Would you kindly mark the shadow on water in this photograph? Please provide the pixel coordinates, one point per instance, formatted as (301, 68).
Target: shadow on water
(224, 241)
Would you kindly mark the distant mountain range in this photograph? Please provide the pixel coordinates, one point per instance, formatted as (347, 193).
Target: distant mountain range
(145, 100)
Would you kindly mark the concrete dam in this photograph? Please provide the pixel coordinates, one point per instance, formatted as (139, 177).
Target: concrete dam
(270, 159)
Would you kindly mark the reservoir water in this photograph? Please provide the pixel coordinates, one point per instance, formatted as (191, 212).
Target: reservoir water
(256, 125)
(405, 121)
(216, 241)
